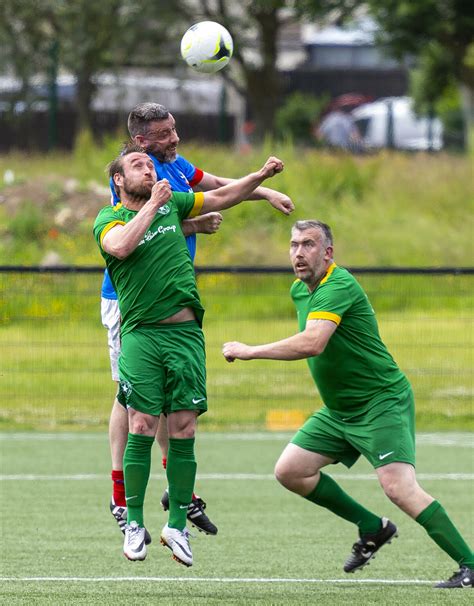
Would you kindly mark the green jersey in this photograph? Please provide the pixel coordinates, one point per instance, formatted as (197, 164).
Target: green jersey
(157, 279)
(355, 370)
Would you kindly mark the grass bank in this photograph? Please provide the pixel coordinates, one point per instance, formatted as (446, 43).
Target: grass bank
(386, 209)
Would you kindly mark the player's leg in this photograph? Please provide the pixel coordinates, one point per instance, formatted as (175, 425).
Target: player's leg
(118, 433)
(388, 435)
(196, 514)
(162, 439)
(181, 473)
(319, 442)
(399, 483)
(299, 470)
(136, 465)
(118, 423)
(183, 347)
(142, 378)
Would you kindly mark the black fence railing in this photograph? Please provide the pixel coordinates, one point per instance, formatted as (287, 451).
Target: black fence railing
(240, 269)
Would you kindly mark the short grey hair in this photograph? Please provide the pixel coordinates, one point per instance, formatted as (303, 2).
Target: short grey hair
(141, 116)
(313, 224)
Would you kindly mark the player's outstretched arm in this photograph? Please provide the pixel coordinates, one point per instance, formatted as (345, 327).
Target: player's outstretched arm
(277, 199)
(203, 224)
(235, 192)
(122, 240)
(310, 342)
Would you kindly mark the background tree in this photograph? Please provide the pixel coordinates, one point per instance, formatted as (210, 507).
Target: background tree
(25, 41)
(255, 26)
(91, 37)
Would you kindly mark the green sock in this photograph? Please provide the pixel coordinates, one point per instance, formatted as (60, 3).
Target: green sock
(181, 473)
(136, 471)
(330, 495)
(438, 525)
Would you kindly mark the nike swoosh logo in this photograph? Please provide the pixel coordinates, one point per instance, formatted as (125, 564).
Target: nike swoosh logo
(139, 548)
(197, 400)
(130, 498)
(385, 455)
(183, 506)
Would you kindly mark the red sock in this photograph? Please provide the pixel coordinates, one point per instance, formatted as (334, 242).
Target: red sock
(118, 488)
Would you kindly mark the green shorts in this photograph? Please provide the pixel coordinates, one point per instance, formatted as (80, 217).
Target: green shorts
(163, 369)
(384, 434)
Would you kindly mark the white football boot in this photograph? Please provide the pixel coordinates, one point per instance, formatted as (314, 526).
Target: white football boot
(134, 547)
(178, 542)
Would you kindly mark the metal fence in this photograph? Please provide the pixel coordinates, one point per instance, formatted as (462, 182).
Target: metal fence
(54, 367)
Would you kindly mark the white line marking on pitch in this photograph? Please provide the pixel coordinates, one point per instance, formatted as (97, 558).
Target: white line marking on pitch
(216, 580)
(460, 439)
(221, 476)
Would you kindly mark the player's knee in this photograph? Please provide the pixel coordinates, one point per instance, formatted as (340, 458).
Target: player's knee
(397, 490)
(283, 474)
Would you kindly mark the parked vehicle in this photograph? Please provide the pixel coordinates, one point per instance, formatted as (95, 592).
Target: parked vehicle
(391, 122)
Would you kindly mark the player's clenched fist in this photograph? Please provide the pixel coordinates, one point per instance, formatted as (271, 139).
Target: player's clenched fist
(272, 166)
(236, 351)
(161, 193)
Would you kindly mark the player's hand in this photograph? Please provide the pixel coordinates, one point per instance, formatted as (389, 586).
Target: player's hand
(271, 167)
(161, 193)
(208, 223)
(236, 351)
(281, 202)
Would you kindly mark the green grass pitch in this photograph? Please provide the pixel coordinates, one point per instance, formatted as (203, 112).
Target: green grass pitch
(61, 545)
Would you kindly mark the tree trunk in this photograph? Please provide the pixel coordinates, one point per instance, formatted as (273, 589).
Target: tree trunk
(467, 103)
(85, 92)
(263, 86)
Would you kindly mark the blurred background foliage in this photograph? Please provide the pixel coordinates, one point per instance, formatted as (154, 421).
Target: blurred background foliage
(386, 209)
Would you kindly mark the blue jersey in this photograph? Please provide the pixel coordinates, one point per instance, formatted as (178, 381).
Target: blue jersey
(182, 176)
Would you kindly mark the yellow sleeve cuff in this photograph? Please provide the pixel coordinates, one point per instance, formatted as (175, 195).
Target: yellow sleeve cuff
(198, 203)
(107, 228)
(324, 315)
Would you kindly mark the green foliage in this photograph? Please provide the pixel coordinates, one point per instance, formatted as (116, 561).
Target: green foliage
(431, 77)
(295, 120)
(27, 224)
(386, 209)
(439, 35)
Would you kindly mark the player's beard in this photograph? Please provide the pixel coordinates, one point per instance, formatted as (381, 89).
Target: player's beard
(167, 155)
(137, 193)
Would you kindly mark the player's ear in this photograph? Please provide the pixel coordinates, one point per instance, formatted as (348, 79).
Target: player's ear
(118, 179)
(139, 140)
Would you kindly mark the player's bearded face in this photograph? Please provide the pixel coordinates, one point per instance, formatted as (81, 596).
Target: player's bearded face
(140, 190)
(309, 256)
(162, 139)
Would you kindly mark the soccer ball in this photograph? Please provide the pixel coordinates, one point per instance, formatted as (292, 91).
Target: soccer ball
(207, 47)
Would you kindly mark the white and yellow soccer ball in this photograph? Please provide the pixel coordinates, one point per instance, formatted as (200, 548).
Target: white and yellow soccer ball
(207, 47)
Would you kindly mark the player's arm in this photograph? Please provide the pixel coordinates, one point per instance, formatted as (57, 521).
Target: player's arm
(280, 201)
(310, 342)
(202, 224)
(121, 240)
(233, 193)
